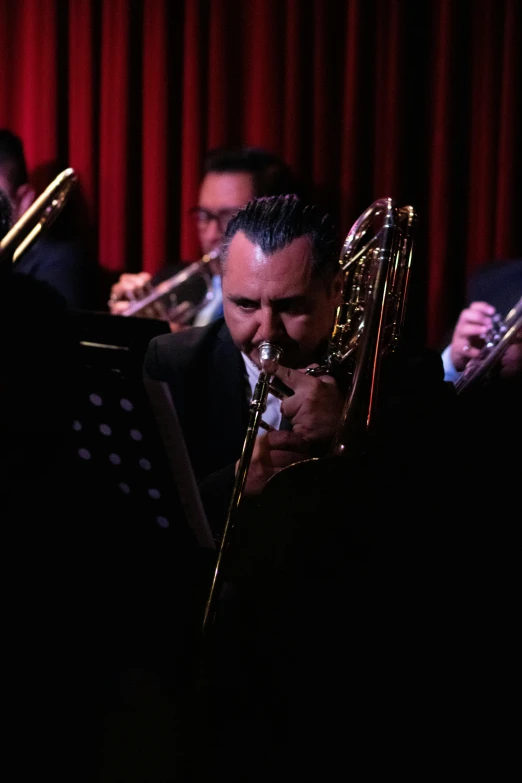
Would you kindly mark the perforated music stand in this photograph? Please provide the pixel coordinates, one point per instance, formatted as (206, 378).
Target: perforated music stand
(126, 431)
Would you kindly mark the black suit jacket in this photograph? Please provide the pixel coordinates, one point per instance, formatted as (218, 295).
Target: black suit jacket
(206, 376)
(64, 266)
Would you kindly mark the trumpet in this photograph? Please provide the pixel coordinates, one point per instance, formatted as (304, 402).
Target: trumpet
(40, 215)
(497, 341)
(166, 300)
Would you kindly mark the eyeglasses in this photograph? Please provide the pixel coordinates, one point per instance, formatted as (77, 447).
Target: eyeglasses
(204, 216)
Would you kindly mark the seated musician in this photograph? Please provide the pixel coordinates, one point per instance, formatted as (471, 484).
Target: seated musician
(232, 176)
(62, 264)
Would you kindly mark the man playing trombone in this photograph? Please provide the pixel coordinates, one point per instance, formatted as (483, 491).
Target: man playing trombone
(282, 284)
(350, 634)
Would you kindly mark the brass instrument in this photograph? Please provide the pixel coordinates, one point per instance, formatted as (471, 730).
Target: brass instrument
(497, 340)
(40, 215)
(165, 300)
(269, 359)
(376, 260)
(369, 321)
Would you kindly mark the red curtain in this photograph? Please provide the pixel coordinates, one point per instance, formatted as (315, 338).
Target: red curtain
(363, 98)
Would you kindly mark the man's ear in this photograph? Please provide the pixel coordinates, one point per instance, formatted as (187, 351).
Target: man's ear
(25, 196)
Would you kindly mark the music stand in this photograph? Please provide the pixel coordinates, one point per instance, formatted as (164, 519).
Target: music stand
(126, 431)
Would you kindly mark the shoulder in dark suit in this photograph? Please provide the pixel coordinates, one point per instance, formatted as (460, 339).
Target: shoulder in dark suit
(63, 265)
(206, 377)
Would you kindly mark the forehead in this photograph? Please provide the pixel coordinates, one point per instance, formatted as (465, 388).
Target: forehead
(286, 272)
(221, 190)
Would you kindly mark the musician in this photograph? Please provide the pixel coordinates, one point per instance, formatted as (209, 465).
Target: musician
(281, 283)
(231, 177)
(62, 264)
(494, 289)
(352, 652)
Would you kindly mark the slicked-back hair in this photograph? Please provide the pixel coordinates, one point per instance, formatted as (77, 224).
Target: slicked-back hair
(273, 223)
(271, 177)
(12, 158)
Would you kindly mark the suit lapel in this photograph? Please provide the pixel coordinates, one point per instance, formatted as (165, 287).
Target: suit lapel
(228, 408)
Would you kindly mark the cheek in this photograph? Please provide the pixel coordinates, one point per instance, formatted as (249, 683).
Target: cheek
(241, 326)
(311, 329)
(299, 328)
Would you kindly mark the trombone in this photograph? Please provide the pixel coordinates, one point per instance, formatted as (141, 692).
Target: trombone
(269, 358)
(40, 215)
(376, 262)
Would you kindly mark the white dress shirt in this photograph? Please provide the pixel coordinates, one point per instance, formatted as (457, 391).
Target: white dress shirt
(450, 373)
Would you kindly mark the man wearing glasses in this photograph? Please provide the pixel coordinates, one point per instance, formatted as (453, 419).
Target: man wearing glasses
(232, 176)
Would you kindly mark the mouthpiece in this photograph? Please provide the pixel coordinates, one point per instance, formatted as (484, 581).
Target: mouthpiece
(269, 357)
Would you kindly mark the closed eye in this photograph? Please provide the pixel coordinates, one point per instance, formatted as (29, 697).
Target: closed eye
(295, 305)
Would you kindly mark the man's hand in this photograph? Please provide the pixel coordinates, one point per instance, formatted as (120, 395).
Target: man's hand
(315, 407)
(471, 327)
(131, 287)
(511, 360)
(128, 288)
(273, 451)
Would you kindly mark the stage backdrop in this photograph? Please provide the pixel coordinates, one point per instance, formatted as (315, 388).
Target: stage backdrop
(420, 101)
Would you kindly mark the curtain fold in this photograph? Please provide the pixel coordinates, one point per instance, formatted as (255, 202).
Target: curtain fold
(34, 86)
(83, 98)
(114, 179)
(154, 200)
(439, 180)
(420, 102)
(508, 196)
(193, 117)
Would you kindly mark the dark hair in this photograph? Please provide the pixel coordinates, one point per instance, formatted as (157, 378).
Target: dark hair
(271, 176)
(274, 222)
(12, 156)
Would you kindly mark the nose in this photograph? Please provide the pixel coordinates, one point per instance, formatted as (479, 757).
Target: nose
(270, 327)
(210, 236)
